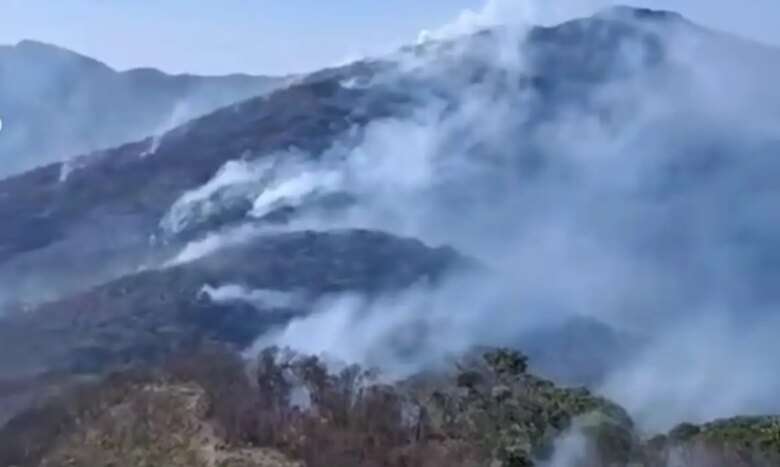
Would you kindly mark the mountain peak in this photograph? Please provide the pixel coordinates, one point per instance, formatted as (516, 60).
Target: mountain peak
(32, 43)
(49, 53)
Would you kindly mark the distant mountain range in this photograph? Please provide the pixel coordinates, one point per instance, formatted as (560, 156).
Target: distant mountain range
(55, 103)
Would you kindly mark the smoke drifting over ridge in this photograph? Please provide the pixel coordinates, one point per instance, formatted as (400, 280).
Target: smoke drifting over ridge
(56, 104)
(613, 178)
(620, 167)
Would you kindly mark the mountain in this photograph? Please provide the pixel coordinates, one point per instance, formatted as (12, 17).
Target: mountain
(56, 104)
(599, 193)
(247, 290)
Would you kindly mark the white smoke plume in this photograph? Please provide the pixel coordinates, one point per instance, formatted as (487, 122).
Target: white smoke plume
(261, 298)
(180, 114)
(645, 202)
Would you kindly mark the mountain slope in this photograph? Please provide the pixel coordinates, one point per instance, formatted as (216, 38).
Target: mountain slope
(56, 104)
(67, 219)
(232, 296)
(625, 82)
(612, 175)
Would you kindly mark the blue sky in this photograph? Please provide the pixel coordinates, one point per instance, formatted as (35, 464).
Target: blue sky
(279, 36)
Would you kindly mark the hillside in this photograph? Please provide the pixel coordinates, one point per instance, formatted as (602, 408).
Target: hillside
(56, 104)
(207, 410)
(599, 194)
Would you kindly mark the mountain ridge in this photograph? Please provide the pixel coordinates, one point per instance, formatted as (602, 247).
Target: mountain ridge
(49, 91)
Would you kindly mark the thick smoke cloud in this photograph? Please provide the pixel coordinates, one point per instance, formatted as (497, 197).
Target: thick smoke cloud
(621, 168)
(710, 366)
(619, 171)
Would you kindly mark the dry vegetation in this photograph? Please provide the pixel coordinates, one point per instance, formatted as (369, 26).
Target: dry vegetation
(211, 409)
(203, 411)
(344, 420)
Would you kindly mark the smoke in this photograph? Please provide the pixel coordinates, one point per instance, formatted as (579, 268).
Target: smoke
(711, 366)
(261, 298)
(58, 107)
(632, 186)
(211, 243)
(518, 14)
(570, 450)
(232, 179)
(57, 104)
(619, 170)
(409, 331)
(491, 14)
(180, 114)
